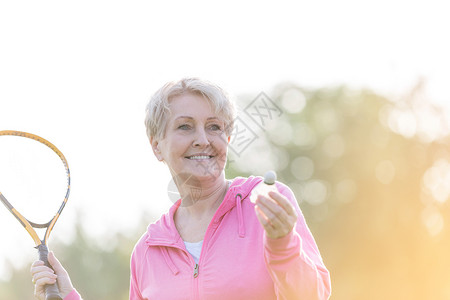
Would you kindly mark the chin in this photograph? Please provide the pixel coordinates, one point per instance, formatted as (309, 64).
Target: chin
(205, 174)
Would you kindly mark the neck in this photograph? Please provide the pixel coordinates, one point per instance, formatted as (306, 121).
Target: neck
(202, 197)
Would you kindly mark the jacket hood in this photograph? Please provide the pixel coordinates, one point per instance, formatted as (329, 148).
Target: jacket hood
(164, 233)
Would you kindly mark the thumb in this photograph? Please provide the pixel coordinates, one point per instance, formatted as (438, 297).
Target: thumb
(64, 282)
(56, 265)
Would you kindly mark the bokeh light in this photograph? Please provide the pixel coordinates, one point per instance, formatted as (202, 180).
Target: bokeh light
(304, 136)
(314, 192)
(302, 168)
(436, 180)
(293, 100)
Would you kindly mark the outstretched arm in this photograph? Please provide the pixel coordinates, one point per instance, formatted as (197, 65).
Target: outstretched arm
(291, 254)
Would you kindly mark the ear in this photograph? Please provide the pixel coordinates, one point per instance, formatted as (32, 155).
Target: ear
(155, 147)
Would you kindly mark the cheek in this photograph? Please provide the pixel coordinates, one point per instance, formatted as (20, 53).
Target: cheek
(179, 145)
(221, 145)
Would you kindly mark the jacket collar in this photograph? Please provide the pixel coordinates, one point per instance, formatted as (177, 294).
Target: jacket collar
(164, 233)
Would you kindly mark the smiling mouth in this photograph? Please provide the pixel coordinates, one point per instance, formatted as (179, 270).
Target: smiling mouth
(199, 157)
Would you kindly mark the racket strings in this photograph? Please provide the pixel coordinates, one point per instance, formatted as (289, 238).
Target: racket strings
(32, 177)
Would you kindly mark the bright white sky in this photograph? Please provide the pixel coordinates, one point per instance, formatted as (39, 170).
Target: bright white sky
(80, 73)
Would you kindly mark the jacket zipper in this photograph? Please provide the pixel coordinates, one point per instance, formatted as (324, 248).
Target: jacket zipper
(196, 271)
(195, 282)
(205, 241)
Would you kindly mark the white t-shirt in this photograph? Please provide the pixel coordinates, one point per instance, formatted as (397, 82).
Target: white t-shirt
(194, 249)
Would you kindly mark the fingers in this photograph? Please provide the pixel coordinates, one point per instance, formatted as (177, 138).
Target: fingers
(39, 271)
(276, 214)
(272, 226)
(41, 279)
(37, 263)
(283, 202)
(41, 276)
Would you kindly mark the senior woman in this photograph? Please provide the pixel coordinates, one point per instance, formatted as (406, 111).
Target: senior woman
(213, 243)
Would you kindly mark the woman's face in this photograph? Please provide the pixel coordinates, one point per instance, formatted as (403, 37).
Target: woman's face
(195, 143)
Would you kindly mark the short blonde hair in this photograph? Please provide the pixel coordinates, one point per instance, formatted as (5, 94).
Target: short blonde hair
(157, 108)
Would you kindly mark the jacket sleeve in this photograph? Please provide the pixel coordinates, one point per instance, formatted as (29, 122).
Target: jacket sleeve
(135, 293)
(73, 295)
(294, 261)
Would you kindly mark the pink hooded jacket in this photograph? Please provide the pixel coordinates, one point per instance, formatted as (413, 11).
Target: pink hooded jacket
(237, 261)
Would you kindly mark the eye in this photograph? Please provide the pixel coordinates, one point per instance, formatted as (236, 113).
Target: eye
(215, 127)
(184, 127)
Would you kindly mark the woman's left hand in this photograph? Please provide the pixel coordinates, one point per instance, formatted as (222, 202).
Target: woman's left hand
(276, 214)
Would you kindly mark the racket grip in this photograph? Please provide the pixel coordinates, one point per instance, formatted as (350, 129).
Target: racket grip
(51, 290)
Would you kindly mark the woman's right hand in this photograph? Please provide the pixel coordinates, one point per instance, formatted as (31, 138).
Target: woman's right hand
(43, 275)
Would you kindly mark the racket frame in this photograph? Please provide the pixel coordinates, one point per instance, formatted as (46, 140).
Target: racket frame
(52, 291)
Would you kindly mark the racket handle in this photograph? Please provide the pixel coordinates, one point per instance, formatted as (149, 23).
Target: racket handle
(51, 290)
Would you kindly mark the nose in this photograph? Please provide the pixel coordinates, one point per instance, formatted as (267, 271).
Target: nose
(201, 138)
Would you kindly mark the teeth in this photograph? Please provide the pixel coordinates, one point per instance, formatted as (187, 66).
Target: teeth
(199, 157)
